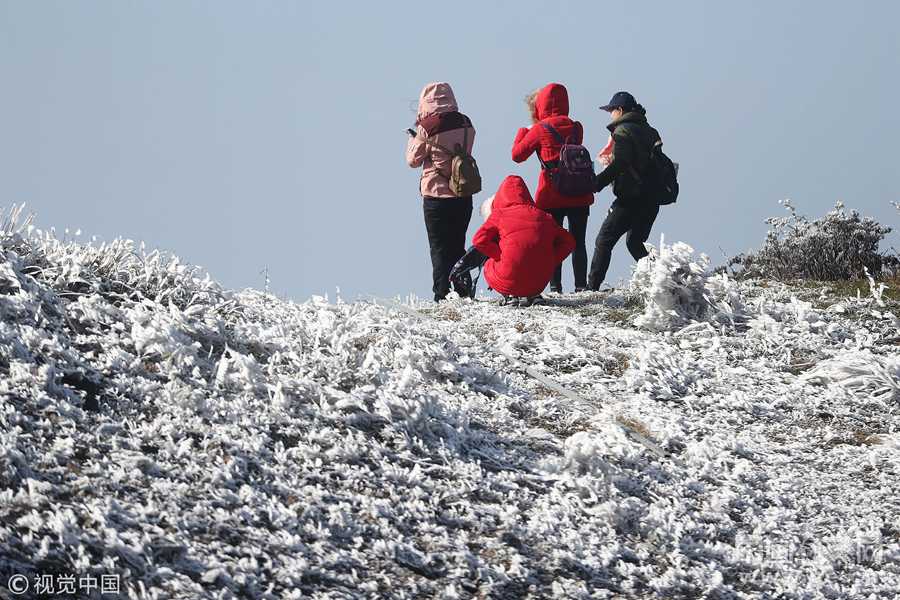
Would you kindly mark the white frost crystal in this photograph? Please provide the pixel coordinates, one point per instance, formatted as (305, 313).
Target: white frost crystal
(205, 443)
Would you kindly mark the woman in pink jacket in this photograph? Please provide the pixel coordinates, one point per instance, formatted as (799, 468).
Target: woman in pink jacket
(440, 125)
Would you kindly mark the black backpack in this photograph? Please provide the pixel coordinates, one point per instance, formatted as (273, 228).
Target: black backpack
(573, 173)
(659, 178)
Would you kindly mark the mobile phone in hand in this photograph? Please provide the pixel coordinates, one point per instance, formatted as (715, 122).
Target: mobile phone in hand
(411, 132)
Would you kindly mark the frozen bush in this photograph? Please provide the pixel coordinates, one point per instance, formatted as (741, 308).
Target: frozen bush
(839, 246)
(677, 289)
(116, 269)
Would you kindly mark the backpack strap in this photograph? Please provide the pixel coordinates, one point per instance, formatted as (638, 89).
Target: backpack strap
(436, 145)
(554, 133)
(459, 151)
(552, 164)
(547, 165)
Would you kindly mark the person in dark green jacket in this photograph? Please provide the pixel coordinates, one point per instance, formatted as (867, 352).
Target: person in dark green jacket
(633, 212)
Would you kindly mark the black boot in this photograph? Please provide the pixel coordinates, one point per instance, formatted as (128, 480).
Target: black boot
(462, 284)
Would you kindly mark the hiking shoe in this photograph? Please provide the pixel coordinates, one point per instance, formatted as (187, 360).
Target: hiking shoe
(556, 289)
(531, 301)
(508, 301)
(578, 290)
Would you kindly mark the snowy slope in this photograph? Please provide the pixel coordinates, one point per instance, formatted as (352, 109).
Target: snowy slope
(207, 443)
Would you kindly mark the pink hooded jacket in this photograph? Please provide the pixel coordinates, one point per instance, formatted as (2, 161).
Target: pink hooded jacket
(438, 120)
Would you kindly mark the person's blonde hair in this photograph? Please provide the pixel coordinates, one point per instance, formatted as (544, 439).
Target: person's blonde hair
(529, 102)
(486, 208)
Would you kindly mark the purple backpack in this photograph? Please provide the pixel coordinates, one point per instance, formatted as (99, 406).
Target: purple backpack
(573, 173)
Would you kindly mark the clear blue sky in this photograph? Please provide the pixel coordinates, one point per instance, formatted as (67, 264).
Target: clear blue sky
(242, 135)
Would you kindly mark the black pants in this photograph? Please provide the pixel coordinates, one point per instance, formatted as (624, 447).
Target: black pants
(578, 218)
(446, 220)
(625, 216)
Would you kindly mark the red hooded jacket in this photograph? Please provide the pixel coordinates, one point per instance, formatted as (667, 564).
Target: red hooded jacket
(552, 108)
(523, 243)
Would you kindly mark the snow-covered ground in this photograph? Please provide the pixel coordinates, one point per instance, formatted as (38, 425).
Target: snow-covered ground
(206, 443)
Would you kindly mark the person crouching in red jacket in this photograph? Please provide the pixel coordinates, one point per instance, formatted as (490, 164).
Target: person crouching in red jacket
(549, 106)
(523, 244)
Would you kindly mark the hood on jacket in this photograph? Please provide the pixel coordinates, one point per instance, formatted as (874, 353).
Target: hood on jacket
(436, 98)
(629, 117)
(552, 101)
(512, 192)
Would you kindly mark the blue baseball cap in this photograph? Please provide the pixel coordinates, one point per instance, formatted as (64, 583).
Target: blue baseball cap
(620, 100)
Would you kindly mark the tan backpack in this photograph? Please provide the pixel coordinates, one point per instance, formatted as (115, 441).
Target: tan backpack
(465, 180)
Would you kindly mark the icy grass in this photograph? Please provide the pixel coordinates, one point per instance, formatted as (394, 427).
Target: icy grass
(201, 442)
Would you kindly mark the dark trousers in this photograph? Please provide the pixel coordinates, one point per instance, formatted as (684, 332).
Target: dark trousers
(446, 220)
(632, 217)
(578, 218)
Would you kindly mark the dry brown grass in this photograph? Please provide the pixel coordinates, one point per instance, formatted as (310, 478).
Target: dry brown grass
(634, 425)
(861, 438)
(617, 315)
(449, 314)
(617, 365)
(839, 290)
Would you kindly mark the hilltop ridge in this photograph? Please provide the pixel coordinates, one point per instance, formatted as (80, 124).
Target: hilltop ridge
(202, 442)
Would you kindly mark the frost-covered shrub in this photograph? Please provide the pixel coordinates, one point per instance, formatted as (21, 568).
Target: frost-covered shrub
(839, 246)
(677, 288)
(891, 266)
(119, 268)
